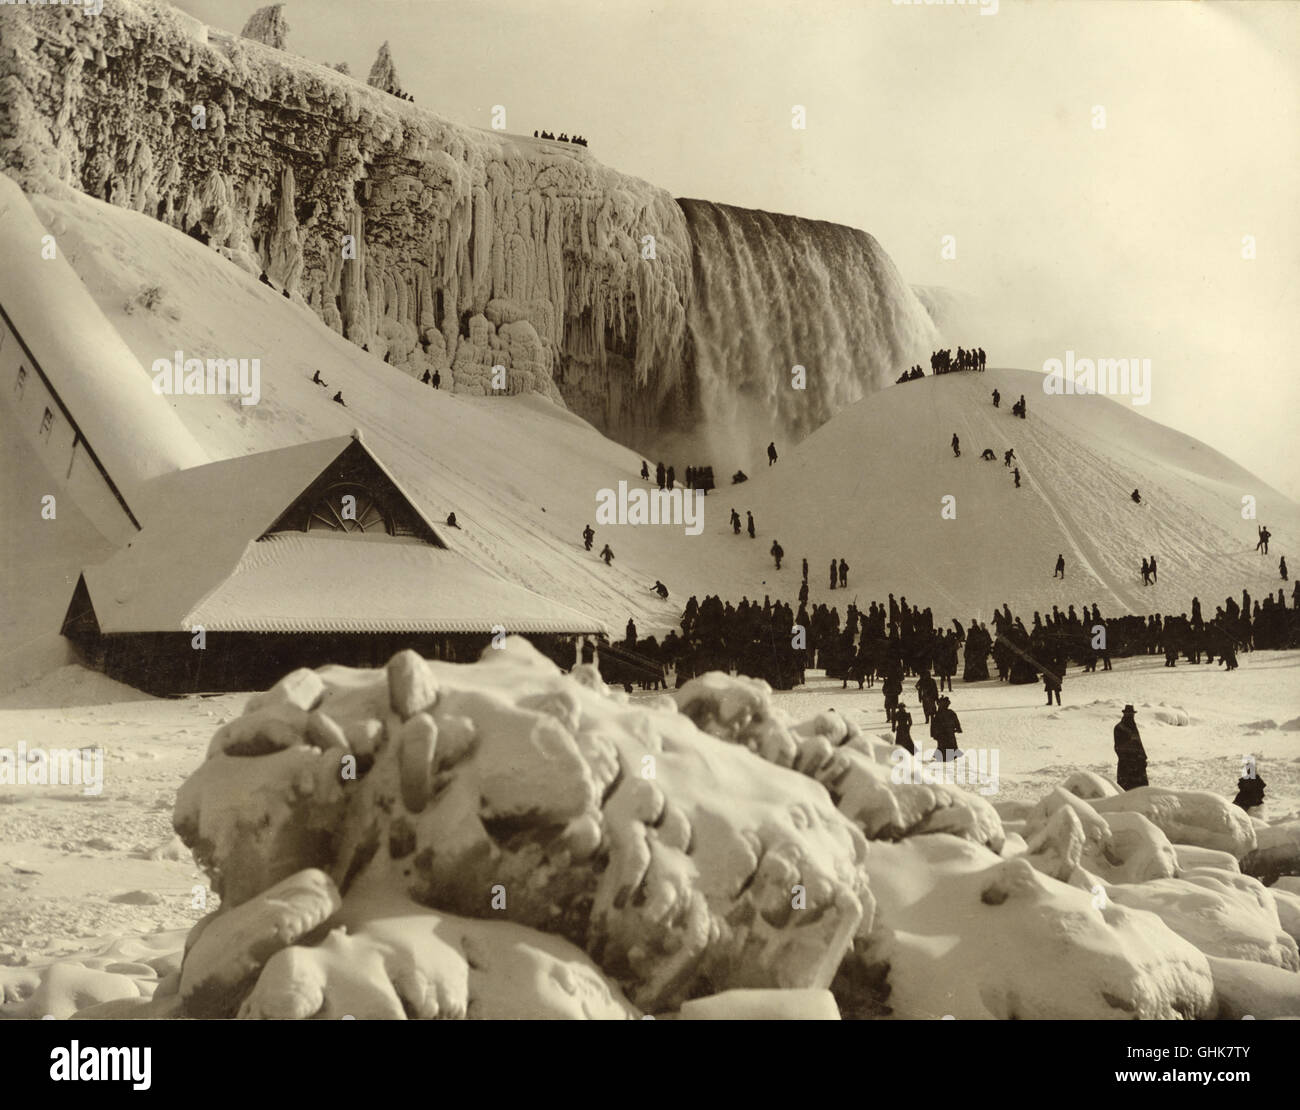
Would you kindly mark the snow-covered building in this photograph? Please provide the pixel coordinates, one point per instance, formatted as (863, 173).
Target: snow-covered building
(253, 566)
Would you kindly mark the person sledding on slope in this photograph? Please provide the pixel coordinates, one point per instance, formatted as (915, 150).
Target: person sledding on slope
(1137, 497)
(338, 399)
(660, 589)
(316, 379)
(943, 730)
(902, 726)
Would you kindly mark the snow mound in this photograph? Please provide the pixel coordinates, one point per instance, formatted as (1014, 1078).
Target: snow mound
(507, 790)
(1188, 817)
(68, 686)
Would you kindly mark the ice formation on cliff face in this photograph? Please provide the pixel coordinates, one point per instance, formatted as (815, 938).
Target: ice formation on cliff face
(451, 248)
(436, 246)
(774, 292)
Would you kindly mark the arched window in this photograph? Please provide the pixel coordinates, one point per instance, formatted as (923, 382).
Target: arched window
(348, 507)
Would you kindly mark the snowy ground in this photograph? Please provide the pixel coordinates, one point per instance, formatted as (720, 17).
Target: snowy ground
(79, 872)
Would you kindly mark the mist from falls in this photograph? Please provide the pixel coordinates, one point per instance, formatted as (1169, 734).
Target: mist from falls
(773, 292)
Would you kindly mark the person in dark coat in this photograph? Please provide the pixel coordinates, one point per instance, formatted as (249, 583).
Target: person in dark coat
(1132, 756)
(777, 551)
(659, 474)
(834, 573)
(771, 453)
(1281, 568)
(338, 399)
(1155, 578)
(996, 398)
(943, 730)
(588, 534)
(436, 381)
(750, 525)
(1052, 684)
(902, 727)
(844, 575)
(606, 554)
(956, 445)
(735, 522)
(1137, 497)
(451, 521)
(1060, 566)
(891, 688)
(928, 692)
(1016, 474)
(670, 477)
(660, 589)
(1250, 792)
(645, 470)
(317, 379)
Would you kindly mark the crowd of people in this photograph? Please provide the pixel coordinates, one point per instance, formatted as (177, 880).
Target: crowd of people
(697, 477)
(945, 362)
(778, 642)
(577, 140)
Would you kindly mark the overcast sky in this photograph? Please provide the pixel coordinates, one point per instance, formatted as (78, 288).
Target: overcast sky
(926, 121)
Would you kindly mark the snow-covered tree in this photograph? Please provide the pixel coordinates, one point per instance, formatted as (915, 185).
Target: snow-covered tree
(383, 74)
(268, 25)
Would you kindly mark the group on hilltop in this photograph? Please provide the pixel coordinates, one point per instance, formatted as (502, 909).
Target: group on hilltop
(945, 362)
(561, 138)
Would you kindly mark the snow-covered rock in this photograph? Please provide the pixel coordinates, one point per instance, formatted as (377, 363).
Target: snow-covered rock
(1187, 817)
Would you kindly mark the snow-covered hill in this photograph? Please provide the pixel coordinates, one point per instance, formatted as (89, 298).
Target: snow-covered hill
(522, 475)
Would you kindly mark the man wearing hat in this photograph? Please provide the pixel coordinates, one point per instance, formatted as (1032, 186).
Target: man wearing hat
(1132, 770)
(944, 728)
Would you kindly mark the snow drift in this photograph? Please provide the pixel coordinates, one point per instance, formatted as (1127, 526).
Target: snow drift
(502, 840)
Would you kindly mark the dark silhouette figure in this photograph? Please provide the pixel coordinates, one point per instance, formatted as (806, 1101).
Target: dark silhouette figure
(1131, 755)
(659, 474)
(1281, 568)
(1250, 792)
(1008, 455)
(997, 397)
(661, 589)
(1016, 475)
(805, 570)
(738, 477)
(988, 455)
(844, 575)
(1060, 566)
(451, 521)
(645, 470)
(264, 279)
(1052, 684)
(834, 573)
(750, 526)
(777, 551)
(735, 522)
(956, 445)
(670, 477)
(1146, 573)
(588, 534)
(1137, 497)
(426, 378)
(437, 380)
(338, 399)
(1154, 577)
(943, 730)
(606, 554)
(771, 453)
(317, 379)
(1264, 536)
(902, 726)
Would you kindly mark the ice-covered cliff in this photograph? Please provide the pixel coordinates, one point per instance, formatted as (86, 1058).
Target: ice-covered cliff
(773, 293)
(449, 248)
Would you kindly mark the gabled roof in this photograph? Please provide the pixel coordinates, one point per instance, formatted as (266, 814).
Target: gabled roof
(205, 558)
(322, 582)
